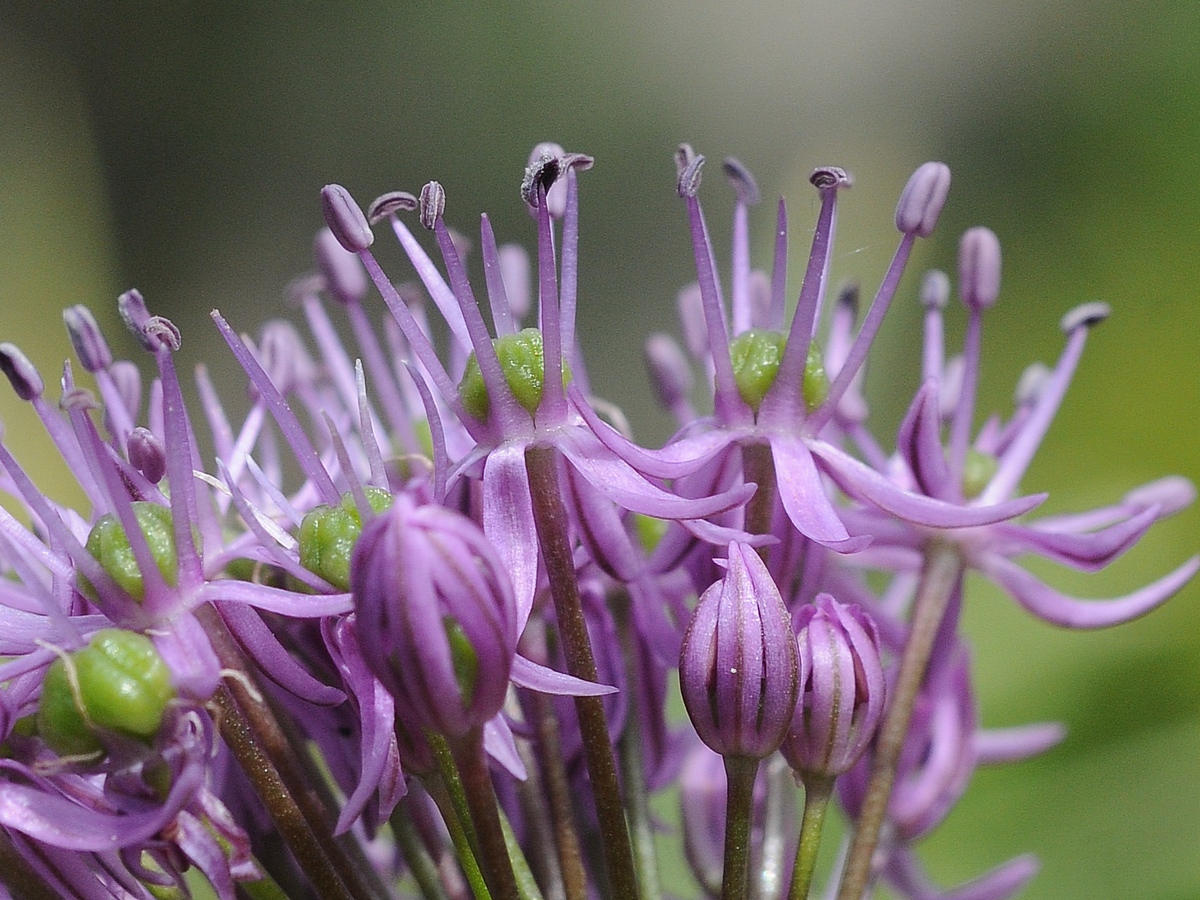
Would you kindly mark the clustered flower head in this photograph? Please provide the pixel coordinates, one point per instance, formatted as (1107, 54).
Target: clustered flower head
(405, 624)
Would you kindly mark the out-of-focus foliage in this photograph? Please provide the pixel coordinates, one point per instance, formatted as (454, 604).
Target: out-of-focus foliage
(182, 147)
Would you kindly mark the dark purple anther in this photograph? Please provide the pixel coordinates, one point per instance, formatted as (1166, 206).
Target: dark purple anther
(390, 204)
(131, 307)
(689, 176)
(90, 346)
(741, 181)
(147, 454)
(1085, 316)
(160, 332)
(830, 178)
(979, 268)
(345, 219)
(923, 198)
(344, 274)
(432, 204)
(21, 373)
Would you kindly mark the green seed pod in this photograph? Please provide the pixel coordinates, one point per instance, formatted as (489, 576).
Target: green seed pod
(109, 544)
(816, 383)
(978, 469)
(523, 365)
(328, 535)
(649, 531)
(756, 355)
(464, 657)
(118, 682)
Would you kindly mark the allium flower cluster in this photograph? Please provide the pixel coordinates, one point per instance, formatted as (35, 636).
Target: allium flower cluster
(405, 624)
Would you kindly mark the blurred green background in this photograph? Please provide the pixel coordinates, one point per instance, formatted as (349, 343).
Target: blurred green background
(179, 148)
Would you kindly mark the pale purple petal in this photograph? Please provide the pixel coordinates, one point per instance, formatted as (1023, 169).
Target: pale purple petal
(508, 522)
(805, 499)
(1005, 745)
(528, 674)
(1087, 552)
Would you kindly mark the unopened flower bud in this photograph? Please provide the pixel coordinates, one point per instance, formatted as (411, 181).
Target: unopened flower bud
(737, 669)
(345, 219)
(842, 689)
(118, 683)
(436, 616)
(979, 268)
(922, 200)
(344, 273)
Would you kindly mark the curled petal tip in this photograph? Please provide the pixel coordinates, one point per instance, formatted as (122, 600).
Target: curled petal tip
(1085, 316)
(389, 204)
(827, 178)
(345, 218)
(979, 268)
(742, 181)
(922, 200)
(431, 204)
(935, 289)
(1172, 494)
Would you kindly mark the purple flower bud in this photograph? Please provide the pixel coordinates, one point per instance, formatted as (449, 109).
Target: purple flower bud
(670, 374)
(147, 454)
(436, 616)
(979, 268)
(89, 343)
(345, 219)
(21, 373)
(344, 273)
(842, 690)
(737, 669)
(922, 200)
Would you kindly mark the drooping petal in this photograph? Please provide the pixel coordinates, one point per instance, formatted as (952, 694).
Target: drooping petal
(919, 442)
(805, 499)
(528, 674)
(508, 522)
(1086, 552)
(1072, 612)
(1004, 745)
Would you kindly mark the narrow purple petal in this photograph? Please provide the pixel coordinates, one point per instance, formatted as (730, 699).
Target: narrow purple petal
(1086, 552)
(805, 499)
(1005, 745)
(919, 442)
(508, 522)
(528, 674)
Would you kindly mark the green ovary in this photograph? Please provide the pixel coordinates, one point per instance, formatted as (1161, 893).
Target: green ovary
(121, 684)
(523, 365)
(464, 658)
(978, 469)
(756, 356)
(109, 544)
(328, 535)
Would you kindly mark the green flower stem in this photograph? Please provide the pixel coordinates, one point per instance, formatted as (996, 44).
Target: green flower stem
(424, 870)
(816, 801)
(739, 804)
(941, 574)
(535, 808)
(633, 770)
(527, 885)
(758, 466)
(550, 519)
(558, 791)
(22, 880)
(266, 888)
(459, 837)
(476, 784)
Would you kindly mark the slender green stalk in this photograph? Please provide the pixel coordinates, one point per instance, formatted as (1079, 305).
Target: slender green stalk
(457, 826)
(532, 794)
(739, 805)
(424, 870)
(527, 885)
(476, 784)
(939, 577)
(550, 519)
(633, 769)
(816, 802)
(766, 881)
(21, 878)
(266, 888)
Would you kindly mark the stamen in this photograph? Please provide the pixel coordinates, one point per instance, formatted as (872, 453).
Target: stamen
(390, 204)
(923, 198)
(432, 204)
(22, 374)
(89, 343)
(345, 219)
(343, 271)
(147, 454)
(979, 268)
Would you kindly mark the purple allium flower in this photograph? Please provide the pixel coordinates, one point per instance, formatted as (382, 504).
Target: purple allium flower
(777, 397)
(842, 688)
(436, 614)
(737, 668)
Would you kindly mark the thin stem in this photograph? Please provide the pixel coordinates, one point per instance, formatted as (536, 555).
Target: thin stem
(527, 885)
(459, 837)
(758, 466)
(558, 791)
(816, 801)
(941, 573)
(550, 518)
(485, 814)
(766, 881)
(265, 888)
(633, 769)
(739, 804)
(424, 870)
